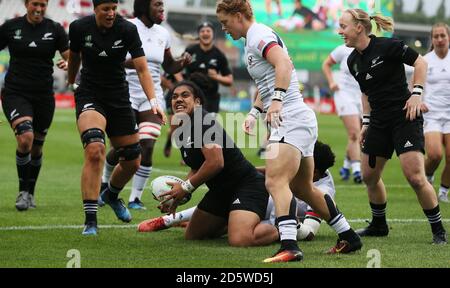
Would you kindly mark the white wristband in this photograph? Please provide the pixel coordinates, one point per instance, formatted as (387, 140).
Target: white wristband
(366, 120)
(418, 90)
(187, 186)
(278, 95)
(153, 102)
(254, 113)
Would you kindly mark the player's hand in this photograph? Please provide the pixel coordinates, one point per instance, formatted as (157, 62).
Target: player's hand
(158, 111)
(334, 87)
(212, 73)
(186, 59)
(363, 135)
(62, 64)
(414, 108)
(273, 116)
(176, 194)
(249, 124)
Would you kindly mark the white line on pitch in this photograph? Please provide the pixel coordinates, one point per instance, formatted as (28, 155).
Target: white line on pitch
(68, 227)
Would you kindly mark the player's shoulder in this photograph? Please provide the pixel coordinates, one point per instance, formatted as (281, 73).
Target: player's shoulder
(14, 22)
(257, 33)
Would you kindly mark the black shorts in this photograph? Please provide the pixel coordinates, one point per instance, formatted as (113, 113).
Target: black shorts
(212, 104)
(397, 133)
(249, 195)
(120, 117)
(38, 105)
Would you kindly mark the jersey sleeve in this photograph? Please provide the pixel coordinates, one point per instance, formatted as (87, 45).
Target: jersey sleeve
(134, 42)
(62, 42)
(75, 37)
(3, 37)
(168, 40)
(263, 41)
(337, 54)
(398, 50)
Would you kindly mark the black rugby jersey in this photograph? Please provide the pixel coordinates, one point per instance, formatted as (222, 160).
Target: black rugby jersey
(204, 60)
(103, 52)
(380, 73)
(236, 167)
(32, 48)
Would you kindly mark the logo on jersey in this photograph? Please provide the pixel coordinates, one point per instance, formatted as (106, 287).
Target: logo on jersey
(47, 36)
(213, 62)
(117, 45)
(375, 62)
(17, 34)
(87, 107)
(13, 114)
(261, 45)
(88, 41)
(160, 42)
(32, 45)
(250, 61)
(368, 77)
(103, 54)
(202, 66)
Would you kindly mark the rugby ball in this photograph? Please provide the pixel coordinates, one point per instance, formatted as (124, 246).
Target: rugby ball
(159, 186)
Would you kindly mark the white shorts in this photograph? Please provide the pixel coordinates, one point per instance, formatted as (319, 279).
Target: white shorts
(436, 125)
(348, 102)
(299, 129)
(140, 103)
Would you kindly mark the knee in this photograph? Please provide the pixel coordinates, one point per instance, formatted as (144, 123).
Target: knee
(240, 240)
(416, 181)
(353, 136)
(25, 142)
(95, 153)
(436, 156)
(370, 179)
(274, 183)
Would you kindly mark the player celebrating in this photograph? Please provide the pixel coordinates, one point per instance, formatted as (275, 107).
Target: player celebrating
(156, 44)
(27, 98)
(209, 60)
(293, 125)
(437, 99)
(102, 41)
(323, 159)
(347, 97)
(392, 116)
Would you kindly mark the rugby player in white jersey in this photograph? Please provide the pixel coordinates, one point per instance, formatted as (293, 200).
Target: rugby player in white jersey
(293, 131)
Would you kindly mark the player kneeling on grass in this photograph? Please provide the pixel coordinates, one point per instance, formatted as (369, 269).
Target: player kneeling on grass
(323, 158)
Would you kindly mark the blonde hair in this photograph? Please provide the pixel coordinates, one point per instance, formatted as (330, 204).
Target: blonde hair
(437, 25)
(235, 6)
(360, 16)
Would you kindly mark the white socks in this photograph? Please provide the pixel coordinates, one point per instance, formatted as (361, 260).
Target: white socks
(139, 182)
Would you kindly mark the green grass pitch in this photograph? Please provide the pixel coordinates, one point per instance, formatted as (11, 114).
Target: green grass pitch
(44, 236)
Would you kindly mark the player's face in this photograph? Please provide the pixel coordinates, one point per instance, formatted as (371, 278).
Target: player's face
(206, 35)
(230, 24)
(348, 30)
(105, 14)
(183, 100)
(36, 10)
(440, 38)
(156, 11)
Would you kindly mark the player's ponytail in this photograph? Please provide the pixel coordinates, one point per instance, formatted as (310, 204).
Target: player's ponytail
(361, 17)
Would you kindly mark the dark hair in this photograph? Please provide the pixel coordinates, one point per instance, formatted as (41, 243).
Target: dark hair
(99, 2)
(206, 24)
(141, 8)
(324, 158)
(196, 91)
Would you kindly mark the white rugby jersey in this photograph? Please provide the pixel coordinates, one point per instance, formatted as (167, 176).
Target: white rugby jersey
(325, 184)
(346, 80)
(260, 39)
(155, 41)
(437, 87)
